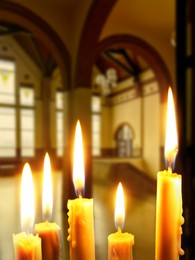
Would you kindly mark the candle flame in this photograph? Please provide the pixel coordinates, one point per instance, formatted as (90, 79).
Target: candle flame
(119, 208)
(47, 200)
(27, 200)
(78, 165)
(171, 143)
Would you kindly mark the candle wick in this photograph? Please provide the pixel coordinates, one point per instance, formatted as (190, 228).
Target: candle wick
(80, 194)
(119, 230)
(169, 168)
(27, 233)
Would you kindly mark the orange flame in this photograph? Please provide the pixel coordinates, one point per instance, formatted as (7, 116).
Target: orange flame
(78, 165)
(27, 200)
(119, 208)
(171, 143)
(47, 199)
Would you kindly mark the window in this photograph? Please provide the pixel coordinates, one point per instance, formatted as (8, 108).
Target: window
(59, 123)
(7, 109)
(7, 82)
(124, 140)
(96, 125)
(27, 124)
(7, 132)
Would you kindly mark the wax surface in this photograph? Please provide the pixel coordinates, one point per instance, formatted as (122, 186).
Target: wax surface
(81, 229)
(27, 247)
(168, 216)
(120, 246)
(49, 233)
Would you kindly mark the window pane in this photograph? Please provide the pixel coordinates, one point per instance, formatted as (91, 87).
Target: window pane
(30, 152)
(27, 132)
(96, 121)
(27, 119)
(26, 96)
(27, 139)
(7, 118)
(7, 82)
(59, 133)
(7, 132)
(59, 121)
(96, 103)
(59, 100)
(96, 139)
(60, 151)
(96, 151)
(8, 138)
(7, 152)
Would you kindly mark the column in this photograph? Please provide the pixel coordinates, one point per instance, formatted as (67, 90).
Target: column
(77, 106)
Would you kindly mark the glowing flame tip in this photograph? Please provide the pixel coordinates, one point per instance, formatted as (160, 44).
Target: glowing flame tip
(171, 142)
(119, 207)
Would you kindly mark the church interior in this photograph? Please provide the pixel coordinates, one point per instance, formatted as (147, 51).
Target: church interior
(108, 64)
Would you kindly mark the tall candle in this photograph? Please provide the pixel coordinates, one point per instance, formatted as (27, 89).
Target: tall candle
(120, 244)
(49, 232)
(169, 197)
(80, 215)
(26, 245)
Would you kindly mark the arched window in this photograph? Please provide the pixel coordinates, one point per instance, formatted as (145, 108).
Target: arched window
(124, 139)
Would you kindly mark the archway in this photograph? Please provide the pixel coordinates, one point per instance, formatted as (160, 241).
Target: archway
(16, 14)
(140, 48)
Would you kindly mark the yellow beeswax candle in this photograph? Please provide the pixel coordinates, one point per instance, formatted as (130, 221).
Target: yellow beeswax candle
(120, 244)
(26, 245)
(168, 216)
(169, 197)
(49, 232)
(81, 229)
(80, 215)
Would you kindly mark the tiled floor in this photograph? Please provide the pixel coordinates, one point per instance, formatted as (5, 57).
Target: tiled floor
(140, 215)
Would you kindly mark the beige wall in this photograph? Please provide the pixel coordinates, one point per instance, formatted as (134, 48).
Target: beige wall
(128, 112)
(151, 133)
(145, 115)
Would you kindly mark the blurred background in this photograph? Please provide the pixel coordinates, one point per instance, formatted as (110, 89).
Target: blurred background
(108, 64)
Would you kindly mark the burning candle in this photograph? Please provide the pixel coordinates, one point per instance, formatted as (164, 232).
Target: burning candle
(26, 245)
(49, 232)
(120, 244)
(80, 215)
(169, 196)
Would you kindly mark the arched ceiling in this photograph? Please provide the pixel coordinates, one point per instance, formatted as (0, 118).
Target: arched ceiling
(152, 14)
(31, 44)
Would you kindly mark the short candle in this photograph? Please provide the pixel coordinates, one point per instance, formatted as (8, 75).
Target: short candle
(120, 244)
(49, 232)
(26, 245)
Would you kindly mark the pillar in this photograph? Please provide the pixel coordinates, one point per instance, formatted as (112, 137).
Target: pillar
(77, 106)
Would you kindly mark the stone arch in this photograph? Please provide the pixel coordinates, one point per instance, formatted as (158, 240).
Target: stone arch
(146, 51)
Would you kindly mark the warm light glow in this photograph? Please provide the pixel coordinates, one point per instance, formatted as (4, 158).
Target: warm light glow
(78, 165)
(171, 143)
(119, 208)
(47, 199)
(27, 200)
